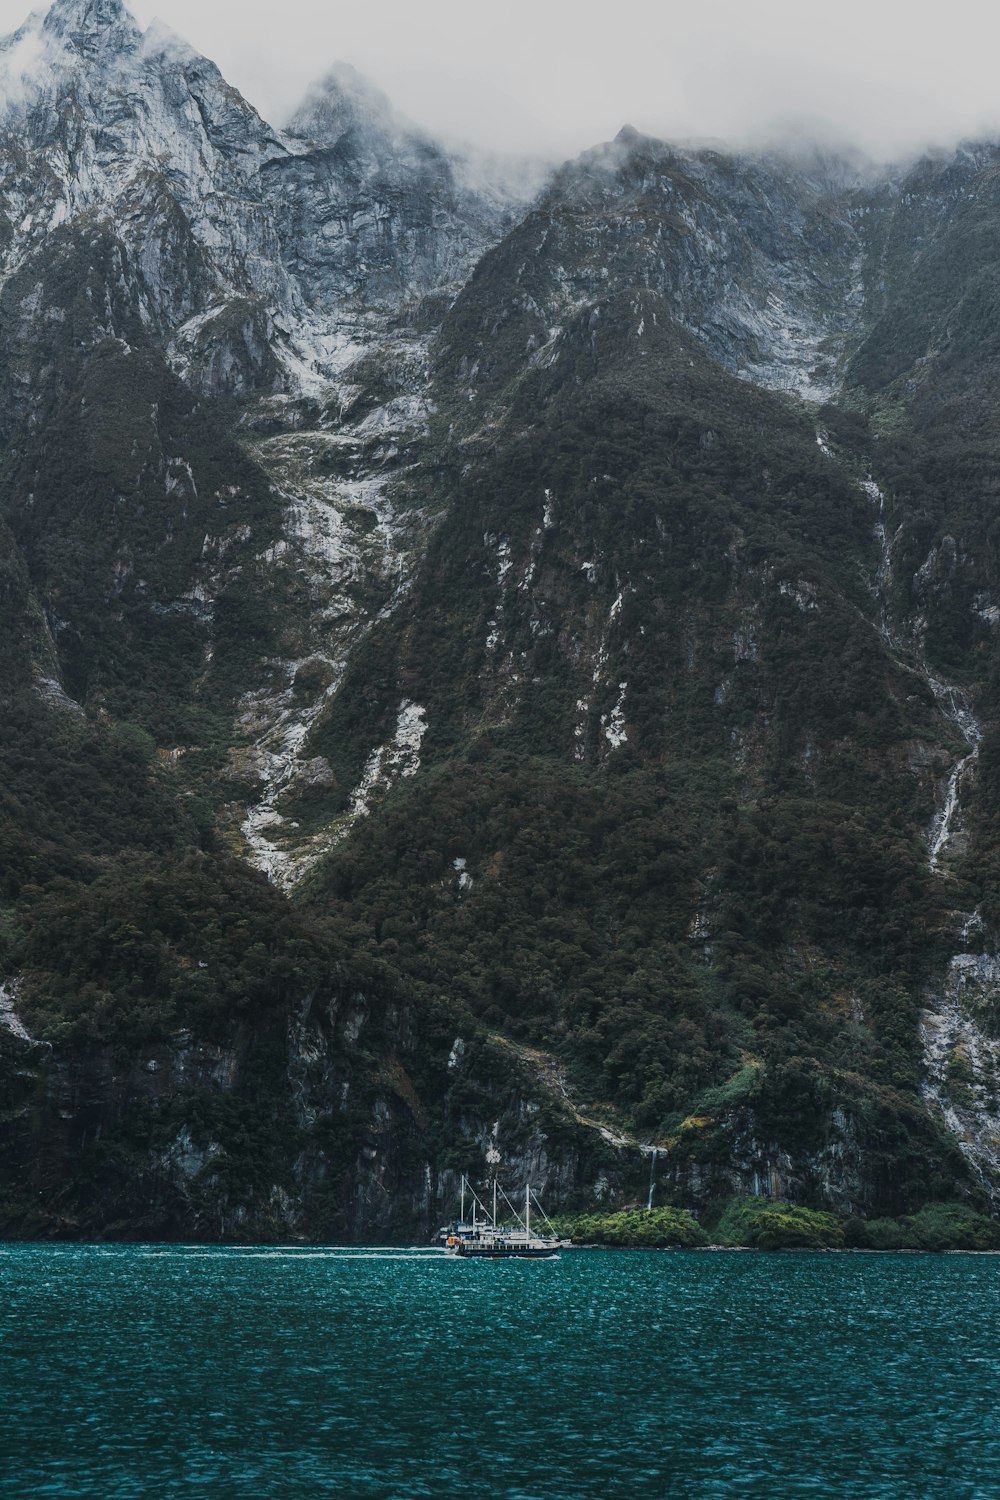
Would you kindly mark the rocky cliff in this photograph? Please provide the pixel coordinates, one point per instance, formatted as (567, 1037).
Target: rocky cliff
(490, 682)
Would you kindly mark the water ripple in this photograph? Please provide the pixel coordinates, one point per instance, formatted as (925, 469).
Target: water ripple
(251, 1373)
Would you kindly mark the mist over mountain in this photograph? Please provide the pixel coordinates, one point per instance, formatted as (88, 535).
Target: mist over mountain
(498, 665)
(551, 81)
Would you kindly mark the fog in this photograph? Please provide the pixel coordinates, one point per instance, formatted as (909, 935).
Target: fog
(555, 77)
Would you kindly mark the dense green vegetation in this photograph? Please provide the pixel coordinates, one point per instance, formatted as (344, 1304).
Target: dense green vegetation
(730, 597)
(769, 1224)
(938, 1226)
(635, 1229)
(664, 865)
(766, 1224)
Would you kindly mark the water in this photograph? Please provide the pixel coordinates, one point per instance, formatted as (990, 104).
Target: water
(952, 702)
(130, 1371)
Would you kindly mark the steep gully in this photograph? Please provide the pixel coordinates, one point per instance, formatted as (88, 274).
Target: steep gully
(961, 1059)
(343, 538)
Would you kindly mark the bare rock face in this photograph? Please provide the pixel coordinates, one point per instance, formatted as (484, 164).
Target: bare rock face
(373, 211)
(136, 128)
(214, 207)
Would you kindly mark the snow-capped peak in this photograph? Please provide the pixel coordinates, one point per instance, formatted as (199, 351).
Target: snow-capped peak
(242, 239)
(51, 45)
(85, 18)
(143, 131)
(344, 99)
(88, 28)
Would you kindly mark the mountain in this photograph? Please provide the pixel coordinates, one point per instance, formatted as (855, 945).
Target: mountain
(375, 210)
(487, 679)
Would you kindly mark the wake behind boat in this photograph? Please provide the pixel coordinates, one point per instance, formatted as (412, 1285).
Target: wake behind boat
(485, 1238)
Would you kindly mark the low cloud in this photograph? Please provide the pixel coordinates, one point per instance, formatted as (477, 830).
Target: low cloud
(555, 77)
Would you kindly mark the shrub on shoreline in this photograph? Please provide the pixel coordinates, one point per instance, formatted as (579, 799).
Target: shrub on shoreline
(771, 1224)
(936, 1226)
(653, 1229)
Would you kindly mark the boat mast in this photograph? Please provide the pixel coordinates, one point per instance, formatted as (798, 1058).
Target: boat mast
(527, 1209)
(461, 1217)
(494, 1203)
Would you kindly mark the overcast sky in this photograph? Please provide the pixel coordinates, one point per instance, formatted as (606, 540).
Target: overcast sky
(557, 76)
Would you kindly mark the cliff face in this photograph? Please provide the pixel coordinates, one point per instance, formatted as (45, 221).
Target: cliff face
(488, 683)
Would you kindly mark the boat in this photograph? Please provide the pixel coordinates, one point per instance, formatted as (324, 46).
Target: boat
(485, 1238)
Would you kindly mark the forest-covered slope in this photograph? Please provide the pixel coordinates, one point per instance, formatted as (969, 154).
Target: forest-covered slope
(486, 684)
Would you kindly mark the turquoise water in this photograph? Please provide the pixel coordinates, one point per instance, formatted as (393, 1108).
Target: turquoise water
(153, 1371)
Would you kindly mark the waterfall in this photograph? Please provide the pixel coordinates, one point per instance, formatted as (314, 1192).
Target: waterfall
(950, 700)
(954, 705)
(652, 1178)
